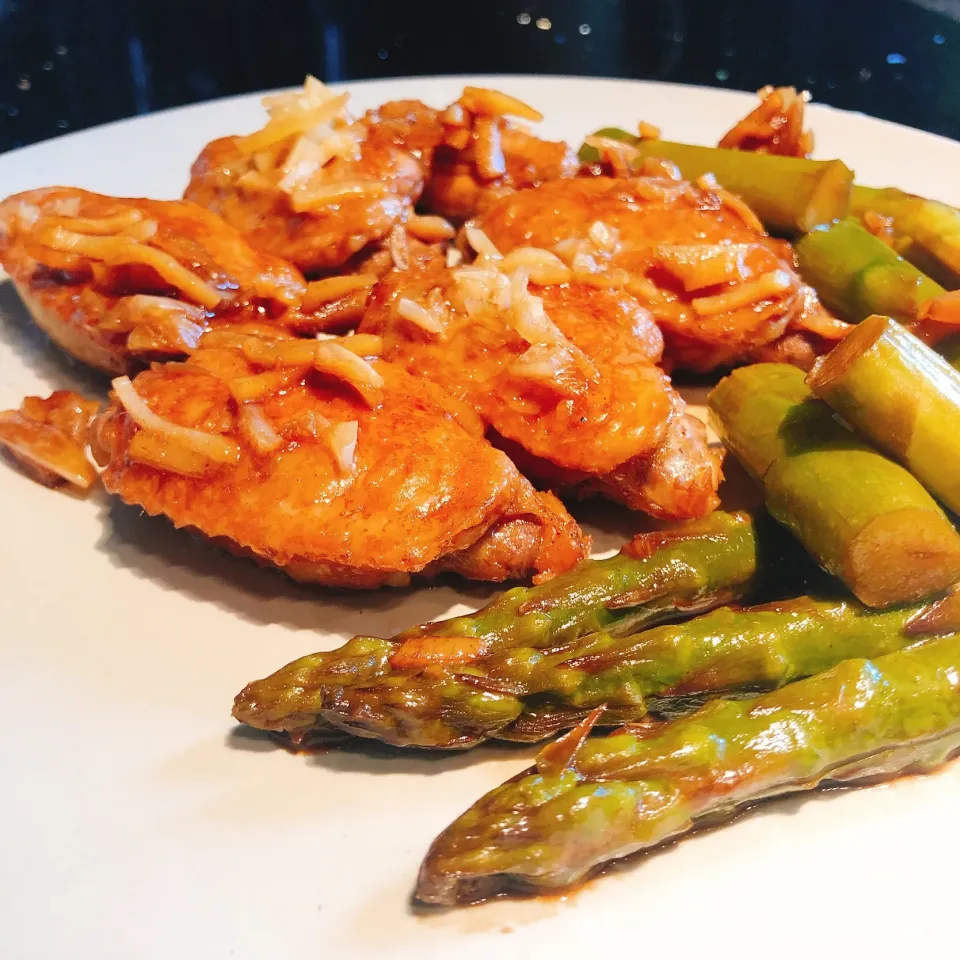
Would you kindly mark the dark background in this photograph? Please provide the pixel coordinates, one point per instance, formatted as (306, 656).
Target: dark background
(69, 64)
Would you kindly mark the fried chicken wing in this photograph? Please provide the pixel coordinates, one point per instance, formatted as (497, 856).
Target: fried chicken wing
(565, 379)
(312, 186)
(117, 281)
(694, 255)
(336, 469)
(473, 153)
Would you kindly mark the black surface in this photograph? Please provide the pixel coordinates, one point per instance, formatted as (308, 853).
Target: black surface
(69, 64)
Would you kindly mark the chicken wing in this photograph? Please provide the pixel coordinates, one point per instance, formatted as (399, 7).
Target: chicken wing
(694, 255)
(337, 469)
(312, 186)
(565, 379)
(117, 282)
(473, 153)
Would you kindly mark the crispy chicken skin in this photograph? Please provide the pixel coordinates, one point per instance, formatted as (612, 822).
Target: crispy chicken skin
(717, 286)
(117, 281)
(423, 493)
(590, 413)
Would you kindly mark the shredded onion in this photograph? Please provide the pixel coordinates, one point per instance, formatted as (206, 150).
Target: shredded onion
(480, 287)
(140, 308)
(584, 263)
(291, 123)
(343, 441)
(336, 361)
(543, 267)
(529, 317)
(310, 154)
(236, 335)
(258, 430)
(739, 206)
(603, 237)
(362, 344)
(768, 285)
(170, 334)
(481, 243)
(419, 315)
(622, 157)
(253, 181)
(549, 365)
(661, 168)
(101, 226)
(321, 194)
(116, 250)
(488, 155)
(259, 386)
(160, 452)
(398, 247)
(280, 353)
(216, 448)
(494, 103)
(333, 288)
(455, 116)
(314, 93)
(702, 265)
(660, 189)
(302, 163)
(431, 229)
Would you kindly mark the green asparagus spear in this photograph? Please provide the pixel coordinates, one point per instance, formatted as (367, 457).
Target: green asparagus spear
(590, 800)
(789, 194)
(693, 567)
(926, 232)
(541, 690)
(856, 275)
(900, 394)
(863, 517)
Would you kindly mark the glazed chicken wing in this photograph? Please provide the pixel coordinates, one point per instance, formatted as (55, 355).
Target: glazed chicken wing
(565, 380)
(337, 469)
(694, 255)
(312, 186)
(473, 153)
(117, 282)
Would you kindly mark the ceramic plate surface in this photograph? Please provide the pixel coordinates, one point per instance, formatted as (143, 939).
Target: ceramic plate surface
(137, 821)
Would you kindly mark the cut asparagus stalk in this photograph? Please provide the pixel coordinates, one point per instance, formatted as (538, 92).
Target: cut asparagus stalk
(691, 568)
(926, 232)
(789, 194)
(900, 394)
(863, 517)
(529, 693)
(856, 275)
(590, 800)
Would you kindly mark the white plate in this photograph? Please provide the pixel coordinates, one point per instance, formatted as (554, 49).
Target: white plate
(136, 820)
